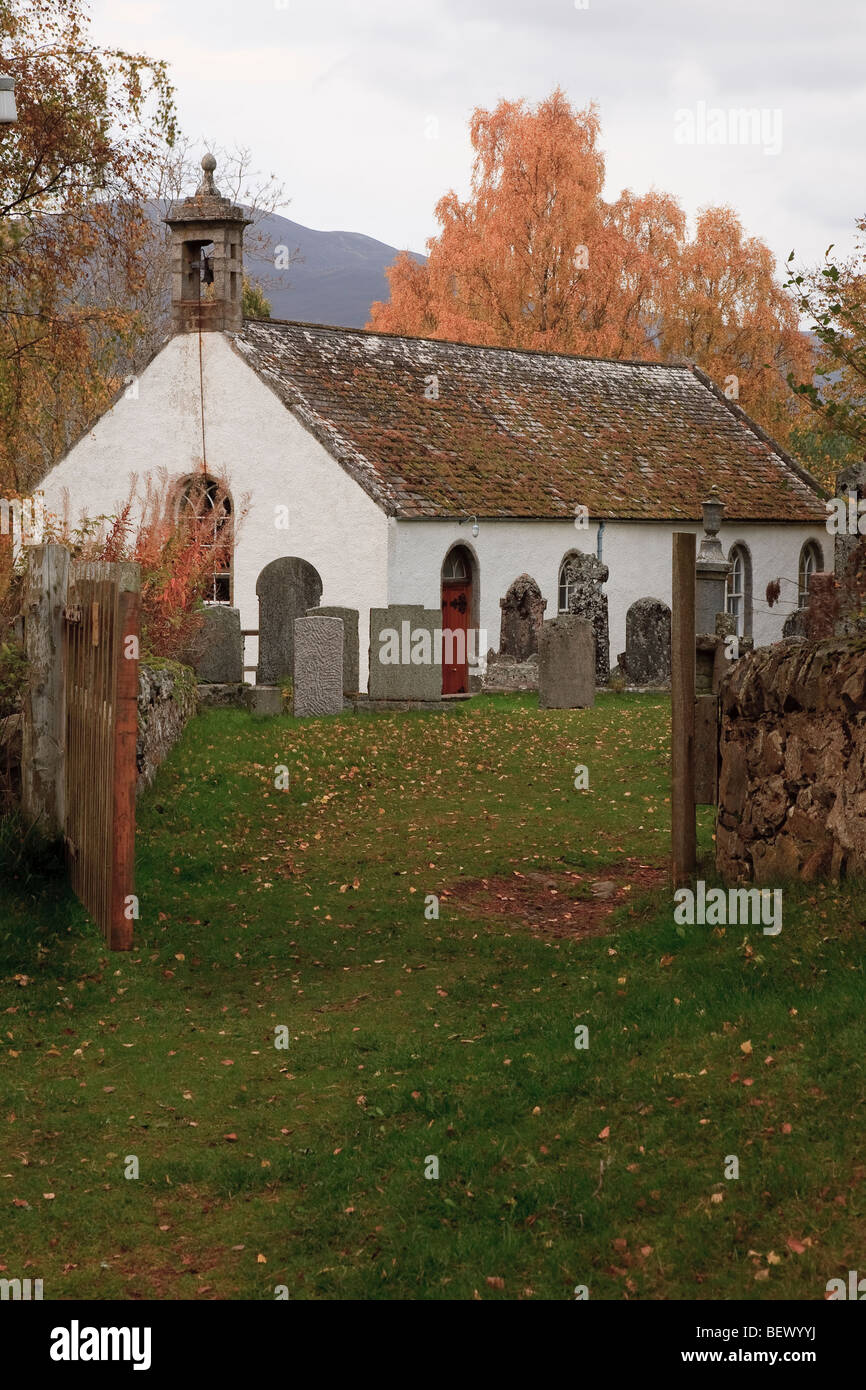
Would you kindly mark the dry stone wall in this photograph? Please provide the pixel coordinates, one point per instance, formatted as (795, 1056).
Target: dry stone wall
(792, 785)
(166, 701)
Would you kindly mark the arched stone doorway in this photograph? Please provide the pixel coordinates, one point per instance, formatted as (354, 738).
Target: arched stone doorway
(459, 601)
(286, 588)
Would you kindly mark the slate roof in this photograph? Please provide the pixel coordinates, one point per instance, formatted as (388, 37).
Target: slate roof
(524, 434)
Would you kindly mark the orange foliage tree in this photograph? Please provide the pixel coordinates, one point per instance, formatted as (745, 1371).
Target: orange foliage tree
(91, 131)
(537, 258)
(729, 314)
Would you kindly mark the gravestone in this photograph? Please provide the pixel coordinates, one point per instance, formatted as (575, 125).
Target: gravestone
(318, 675)
(219, 648)
(647, 656)
(566, 663)
(850, 481)
(522, 616)
(264, 701)
(585, 575)
(286, 588)
(405, 656)
(506, 673)
(349, 619)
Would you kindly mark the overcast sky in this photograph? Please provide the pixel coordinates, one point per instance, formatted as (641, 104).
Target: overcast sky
(361, 106)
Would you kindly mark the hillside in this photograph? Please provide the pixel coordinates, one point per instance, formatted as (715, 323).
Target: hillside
(335, 280)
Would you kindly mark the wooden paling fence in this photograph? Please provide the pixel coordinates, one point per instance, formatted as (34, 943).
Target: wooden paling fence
(100, 646)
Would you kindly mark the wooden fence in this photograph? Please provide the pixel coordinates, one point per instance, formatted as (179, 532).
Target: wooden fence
(100, 648)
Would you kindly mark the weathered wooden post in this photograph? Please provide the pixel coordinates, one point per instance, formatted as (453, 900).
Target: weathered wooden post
(683, 833)
(43, 772)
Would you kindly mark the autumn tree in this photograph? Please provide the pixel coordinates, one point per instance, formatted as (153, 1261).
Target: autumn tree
(537, 258)
(729, 314)
(832, 299)
(74, 171)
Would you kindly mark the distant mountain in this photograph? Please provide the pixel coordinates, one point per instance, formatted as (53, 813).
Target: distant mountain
(335, 280)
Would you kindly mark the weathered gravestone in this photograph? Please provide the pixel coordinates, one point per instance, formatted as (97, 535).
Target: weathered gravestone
(286, 588)
(219, 648)
(566, 664)
(522, 616)
(405, 652)
(585, 575)
(850, 483)
(264, 701)
(318, 677)
(647, 656)
(349, 619)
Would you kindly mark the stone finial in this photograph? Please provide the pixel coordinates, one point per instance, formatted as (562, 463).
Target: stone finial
(207, 188)
(711, 568)
(711, 547)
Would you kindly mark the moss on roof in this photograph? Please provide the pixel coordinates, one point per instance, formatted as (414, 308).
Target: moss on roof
(508, 433)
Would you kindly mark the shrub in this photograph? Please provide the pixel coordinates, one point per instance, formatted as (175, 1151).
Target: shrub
(178, 549)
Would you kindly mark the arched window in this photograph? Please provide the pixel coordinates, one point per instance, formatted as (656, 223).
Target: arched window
(566, 587)
(208, 504)
(811, 561)
(456, 564)
(738, 594)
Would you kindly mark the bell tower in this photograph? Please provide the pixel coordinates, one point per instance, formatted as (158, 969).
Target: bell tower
(207, 259)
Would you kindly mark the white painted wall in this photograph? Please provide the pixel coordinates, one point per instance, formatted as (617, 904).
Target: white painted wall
(364, 558)
(257, 445)
(638, 555)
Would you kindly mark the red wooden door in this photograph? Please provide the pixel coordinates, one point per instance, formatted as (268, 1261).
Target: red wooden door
(456, 613)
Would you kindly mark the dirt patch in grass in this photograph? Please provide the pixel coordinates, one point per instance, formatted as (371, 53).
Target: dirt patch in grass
(560, 903)
(151, 1275)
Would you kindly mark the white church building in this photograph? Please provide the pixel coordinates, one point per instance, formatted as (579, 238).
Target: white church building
(395, 466)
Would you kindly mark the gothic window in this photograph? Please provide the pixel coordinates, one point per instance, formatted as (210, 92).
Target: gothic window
(455, 566)
(738, 599)
(209, 504)
(811, 561)
(566, 587)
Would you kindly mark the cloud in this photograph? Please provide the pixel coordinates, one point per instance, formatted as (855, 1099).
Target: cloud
(337, 98)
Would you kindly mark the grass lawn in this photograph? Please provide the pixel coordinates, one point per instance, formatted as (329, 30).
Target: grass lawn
(411, 1037)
